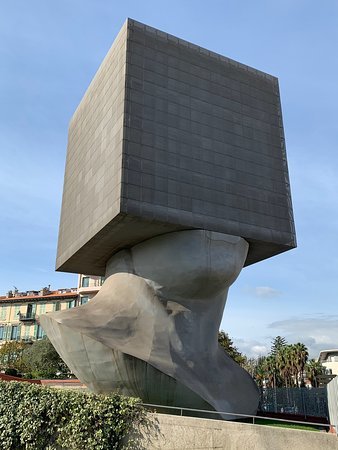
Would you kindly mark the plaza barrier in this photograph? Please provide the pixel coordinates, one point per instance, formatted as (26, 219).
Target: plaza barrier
(204, 413)
(332, 395)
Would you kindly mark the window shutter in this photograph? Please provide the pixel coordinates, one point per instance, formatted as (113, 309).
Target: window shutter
(9, 332)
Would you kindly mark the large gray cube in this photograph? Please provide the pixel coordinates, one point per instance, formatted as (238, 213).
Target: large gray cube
(170, 136)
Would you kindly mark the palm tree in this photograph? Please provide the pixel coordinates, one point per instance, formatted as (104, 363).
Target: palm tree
(285, 363)
(301, 357)
(281, 364)
(314, 368)
(270, 370)
(260, 376)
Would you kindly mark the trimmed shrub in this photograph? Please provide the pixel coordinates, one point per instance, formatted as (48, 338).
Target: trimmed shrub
(39, 418)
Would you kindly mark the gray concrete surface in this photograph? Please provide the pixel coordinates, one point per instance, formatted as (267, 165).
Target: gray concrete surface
(171, 136)
(152, 329)
(332, 397)
(178, 433)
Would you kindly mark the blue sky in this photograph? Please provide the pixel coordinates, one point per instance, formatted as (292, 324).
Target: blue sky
(49, 52)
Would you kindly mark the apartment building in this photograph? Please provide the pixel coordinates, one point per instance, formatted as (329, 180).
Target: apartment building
(88, 286)
(329, 359)
(20, 311)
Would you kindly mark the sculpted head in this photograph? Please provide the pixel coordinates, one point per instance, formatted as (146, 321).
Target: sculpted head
(157, 312)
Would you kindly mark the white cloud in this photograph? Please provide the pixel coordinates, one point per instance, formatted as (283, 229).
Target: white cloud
(317, 332)
(251, 348)
(265, 292)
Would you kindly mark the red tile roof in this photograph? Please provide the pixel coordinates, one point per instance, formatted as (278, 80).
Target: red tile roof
(51, 296)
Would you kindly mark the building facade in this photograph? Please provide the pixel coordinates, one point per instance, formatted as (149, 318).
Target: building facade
(329, 359)
(20, 311)
(88, 286)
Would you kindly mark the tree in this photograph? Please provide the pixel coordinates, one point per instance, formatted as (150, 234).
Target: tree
(250, 365)
(43, 361)
(314, 368)
(265, 371)
(269, 366)
(286, 365)
(259, 375)
(226, 343)
(277, 344)
(11, 357)
(301, 357)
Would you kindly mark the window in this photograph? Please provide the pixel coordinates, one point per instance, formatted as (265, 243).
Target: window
(15, 333)
(3, 312)
(2, 330)
(26, 332)
(16, 310)
(85, 282)
(84, 299)
(57, 306)
(71, 304)
(30, 312)
(39, 332)
(101, 281)
(332, 358)
(42, 308)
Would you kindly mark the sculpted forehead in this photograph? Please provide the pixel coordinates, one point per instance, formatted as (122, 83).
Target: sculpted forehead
(183, 259)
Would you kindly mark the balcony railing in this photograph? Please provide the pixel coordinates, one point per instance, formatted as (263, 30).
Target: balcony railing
(27, 317)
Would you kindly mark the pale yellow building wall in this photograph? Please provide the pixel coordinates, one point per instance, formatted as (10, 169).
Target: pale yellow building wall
(9, 312)
(89, 286)
(333, 366)
(329, 359)
(9, 316)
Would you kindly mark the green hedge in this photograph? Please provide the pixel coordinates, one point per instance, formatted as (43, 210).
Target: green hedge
(33, 417)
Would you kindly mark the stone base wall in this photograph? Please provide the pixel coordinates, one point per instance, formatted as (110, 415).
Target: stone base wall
(169, 432)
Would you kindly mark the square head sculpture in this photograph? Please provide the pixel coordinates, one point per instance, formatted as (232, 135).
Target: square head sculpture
(170, 136)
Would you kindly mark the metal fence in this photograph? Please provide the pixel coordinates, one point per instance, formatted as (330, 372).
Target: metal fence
(332, 396)
(298, 401)
(203, 413)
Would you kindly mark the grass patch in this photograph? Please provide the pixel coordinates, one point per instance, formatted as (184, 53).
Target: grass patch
(294, 426)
